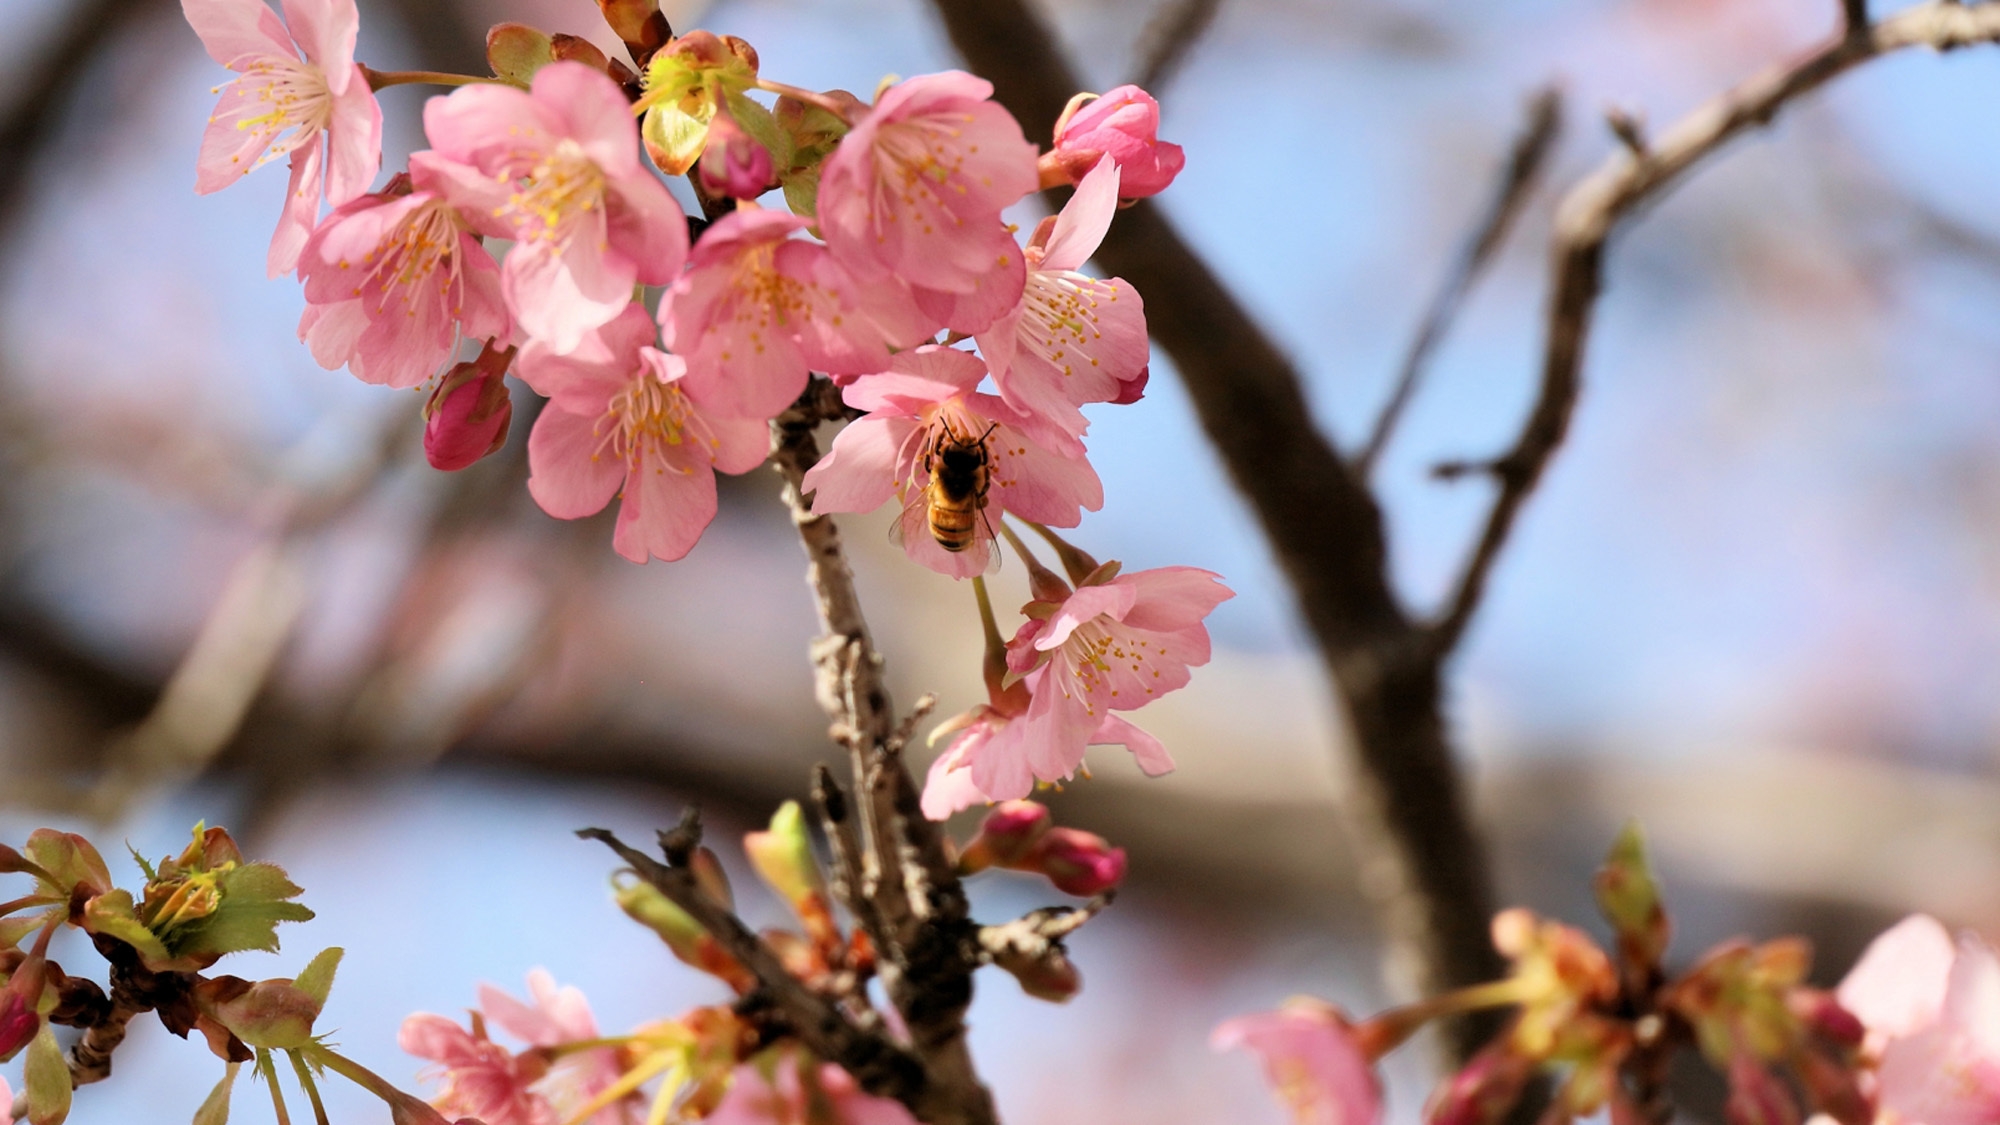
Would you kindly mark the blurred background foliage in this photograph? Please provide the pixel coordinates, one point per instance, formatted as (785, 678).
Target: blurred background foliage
(1754, 605)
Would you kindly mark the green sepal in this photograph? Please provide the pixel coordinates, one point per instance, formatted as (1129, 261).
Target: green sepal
(70, 862)
(215, 1108)
(113, 915)
(316, 980)
(45, 1076)
(516, 51)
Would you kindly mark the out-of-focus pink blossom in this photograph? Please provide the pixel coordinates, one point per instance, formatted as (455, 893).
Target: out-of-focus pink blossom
(555, 1017)
(469, 413)
(619, 423)
(757, 309)
(557, 169)
(1937, 1036)
(1072, 338)
(298, 83)
(991, 730)
(481, 1078)
(1123, 124)
(1897, 987)
(916, 190)
(827, 1096)
(733, 163)
(1312, 1061)
(924, 399)
(1114, 645)
(392, 280)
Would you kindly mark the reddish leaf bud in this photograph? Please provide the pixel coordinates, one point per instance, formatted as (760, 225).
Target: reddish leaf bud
(1484, 1090)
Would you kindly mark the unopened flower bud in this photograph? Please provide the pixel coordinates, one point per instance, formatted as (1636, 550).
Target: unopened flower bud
(1629, 897)
(1757, 1096)
(468, 415)
(1826, 1017)
(644, 904)
(783, 856)
(638, 24)
(575, 48)
(1006, 838)
(18, 1021)
(1078, 863)
(1484, 1090)
(734, 163)
(1123, 124)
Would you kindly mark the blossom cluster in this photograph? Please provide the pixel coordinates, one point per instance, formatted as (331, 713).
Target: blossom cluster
(663, 358)
(724, 1064)
(1910, 1037)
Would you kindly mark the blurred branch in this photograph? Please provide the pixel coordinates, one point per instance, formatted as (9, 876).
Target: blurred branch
(54, 76)
(1516, 185)
(1170, 37)
(1592, 211)
(1423, 864)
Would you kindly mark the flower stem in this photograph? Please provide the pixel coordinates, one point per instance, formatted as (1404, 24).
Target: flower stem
(809, 97)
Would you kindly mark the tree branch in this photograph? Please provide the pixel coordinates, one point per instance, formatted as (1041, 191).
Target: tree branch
(929, 943)
(1592, 211)
(1170, 36)
(1517, 182)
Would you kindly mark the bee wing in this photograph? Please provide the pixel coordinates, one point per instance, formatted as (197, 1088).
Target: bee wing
(914, 508)
(992, 540)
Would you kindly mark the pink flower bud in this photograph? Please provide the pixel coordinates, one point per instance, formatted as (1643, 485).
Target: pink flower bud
(1007, 837)
(18, 1021)
(1078, 863)
(734, 163)
(1124, 125)
(468, 415)
(1484, 1090)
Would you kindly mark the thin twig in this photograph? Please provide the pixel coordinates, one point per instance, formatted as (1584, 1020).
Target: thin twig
(929, 951)
(1170, 37)
(1592, 211)
(1516, 185)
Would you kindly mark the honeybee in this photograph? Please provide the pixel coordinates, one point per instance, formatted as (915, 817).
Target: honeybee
(954, 499)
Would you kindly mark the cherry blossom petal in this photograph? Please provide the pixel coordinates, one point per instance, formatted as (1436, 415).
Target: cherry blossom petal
(354, 140)
(1898, 985)
(566, 474)
(326, 30)
(1081, 224)
(301, 213)
(859, 472)
(664, 512)
(236, 31)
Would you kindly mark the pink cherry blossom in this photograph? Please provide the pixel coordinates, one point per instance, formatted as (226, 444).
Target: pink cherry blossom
(1312, 1061)
(1936, 1035)
(990, 733)
(481, 1078)
(916, 190)
(1123, 124)
(556, 1017)
(392, 282)
(299, 83)
(757, 309)
(926, 398)
(1898, 986)
(829, 1097)
(1072, 338)
(557, 169)
(1113, 645)
(619, 423)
